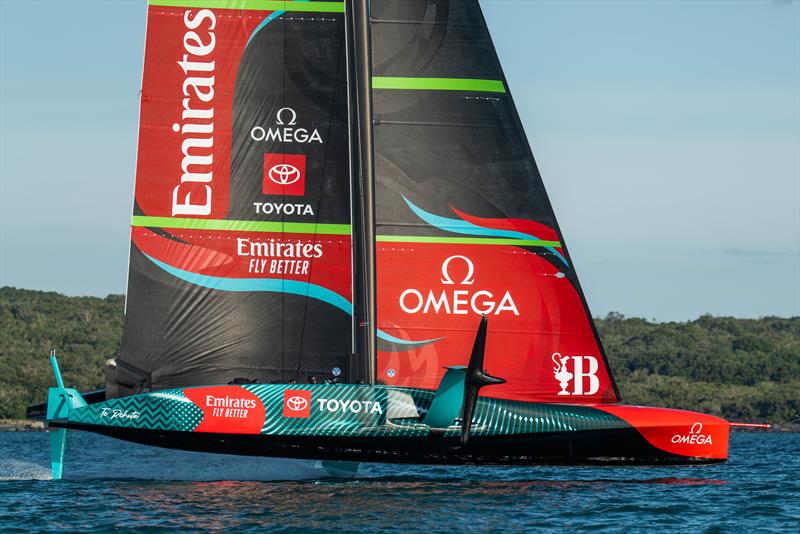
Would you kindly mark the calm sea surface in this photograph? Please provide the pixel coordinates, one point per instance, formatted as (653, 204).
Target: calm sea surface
(113, 485)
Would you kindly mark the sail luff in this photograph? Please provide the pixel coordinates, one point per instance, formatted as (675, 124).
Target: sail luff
(135, 164)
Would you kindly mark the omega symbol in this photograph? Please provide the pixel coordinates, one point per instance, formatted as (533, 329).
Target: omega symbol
(468, 279)
(280, 115)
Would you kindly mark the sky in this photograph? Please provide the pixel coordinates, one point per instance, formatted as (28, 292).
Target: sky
(667, 135)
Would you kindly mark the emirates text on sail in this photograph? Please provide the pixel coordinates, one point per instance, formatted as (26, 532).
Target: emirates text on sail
(197, 146)
(277, 257)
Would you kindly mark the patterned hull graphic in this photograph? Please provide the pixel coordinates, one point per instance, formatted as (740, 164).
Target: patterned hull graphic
(384, 423)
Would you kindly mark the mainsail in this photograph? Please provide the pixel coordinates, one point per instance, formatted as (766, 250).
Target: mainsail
(241, 249)
(240, 262)
(464, 225)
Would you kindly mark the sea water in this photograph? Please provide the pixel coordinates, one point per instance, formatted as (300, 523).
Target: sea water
(113, 485)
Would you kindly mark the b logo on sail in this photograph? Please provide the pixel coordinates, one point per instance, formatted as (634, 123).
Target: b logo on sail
(583, 368)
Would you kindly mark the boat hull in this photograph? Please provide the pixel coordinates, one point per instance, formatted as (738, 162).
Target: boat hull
(386, 424)
(613, 447)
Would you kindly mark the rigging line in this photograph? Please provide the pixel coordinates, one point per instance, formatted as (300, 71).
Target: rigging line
(321, 197)
(357, 215)
(283, 219)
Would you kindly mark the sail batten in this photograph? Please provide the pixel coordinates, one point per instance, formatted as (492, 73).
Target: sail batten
(438, 84)
(235, 225)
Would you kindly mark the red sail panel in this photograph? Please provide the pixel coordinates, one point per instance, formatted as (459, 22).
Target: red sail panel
(191, 59)
(320, 260)
(539, 338)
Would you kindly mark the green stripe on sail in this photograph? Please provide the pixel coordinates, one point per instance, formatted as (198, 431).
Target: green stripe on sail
(261, 5)
(467, 240)
(241, 226)
(322, 229)
(438, 84)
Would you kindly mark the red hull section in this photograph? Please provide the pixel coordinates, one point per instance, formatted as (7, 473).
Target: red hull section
(676, 431)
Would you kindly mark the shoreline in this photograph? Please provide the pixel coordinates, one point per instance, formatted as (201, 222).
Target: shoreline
(21, 425)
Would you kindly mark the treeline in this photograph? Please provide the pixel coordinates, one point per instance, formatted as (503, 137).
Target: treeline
(85, 331)
(740, 369)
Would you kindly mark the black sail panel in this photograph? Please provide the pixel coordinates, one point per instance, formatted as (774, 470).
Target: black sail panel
(240, 242)
(464, 224)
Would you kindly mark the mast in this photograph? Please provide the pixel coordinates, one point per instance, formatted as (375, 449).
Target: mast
(360, 76)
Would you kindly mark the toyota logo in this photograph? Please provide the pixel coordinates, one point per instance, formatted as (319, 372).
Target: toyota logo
(296, 403)
(284, 174)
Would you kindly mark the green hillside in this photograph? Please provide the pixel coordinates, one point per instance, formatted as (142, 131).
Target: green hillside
(741, 369)
(85, 331)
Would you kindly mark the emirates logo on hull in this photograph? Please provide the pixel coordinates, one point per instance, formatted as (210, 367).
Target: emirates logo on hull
(227, 409)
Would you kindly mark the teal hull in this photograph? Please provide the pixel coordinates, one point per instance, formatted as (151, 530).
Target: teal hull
(344, 422)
